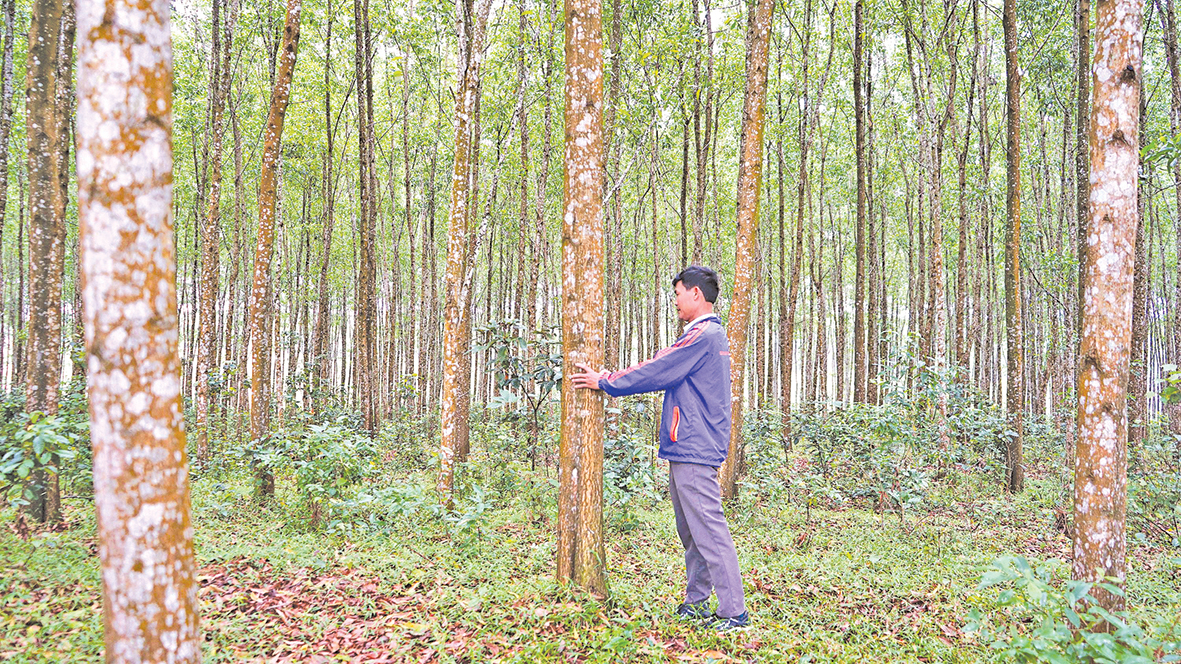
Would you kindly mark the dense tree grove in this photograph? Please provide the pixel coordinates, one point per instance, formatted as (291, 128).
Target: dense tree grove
(673, 91)
(948, 235)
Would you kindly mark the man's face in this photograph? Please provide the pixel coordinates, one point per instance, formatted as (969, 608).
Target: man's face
(687, 301)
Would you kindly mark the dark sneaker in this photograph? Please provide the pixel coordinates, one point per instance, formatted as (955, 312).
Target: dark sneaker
(694, 611)
(738, 622)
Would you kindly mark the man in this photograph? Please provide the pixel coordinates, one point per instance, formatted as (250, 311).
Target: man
(694, 437)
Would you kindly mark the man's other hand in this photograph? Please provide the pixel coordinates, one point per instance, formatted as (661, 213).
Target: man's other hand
(588, 379)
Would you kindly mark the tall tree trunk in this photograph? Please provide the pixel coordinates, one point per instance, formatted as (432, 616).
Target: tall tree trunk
(1015, 353)
(703, 103)
(960, 330)
(581, 554)
(320, 355)
(1101, 462)
(268, 194)
(840, 323)
(19, 352)
(750, 179)
(1173, 55)
(47, 234)
(141, 490)
(211, 231)
(983, 262)
(9, 8)
(611, 174)
(413, 309)
(821, 391)
(453, 425)
(239, 203)
(64, 113)
(873, 276)
(760, 326)
(784, 337)
(805, 142)
(1138, 378)
(859, 351)
(368, 368)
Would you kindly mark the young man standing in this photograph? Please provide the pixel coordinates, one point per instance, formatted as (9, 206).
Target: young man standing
(694, 373)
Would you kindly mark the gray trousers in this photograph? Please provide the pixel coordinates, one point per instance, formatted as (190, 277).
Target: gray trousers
(711, 562)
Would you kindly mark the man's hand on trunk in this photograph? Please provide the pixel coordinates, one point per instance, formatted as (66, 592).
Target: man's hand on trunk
(588, 379)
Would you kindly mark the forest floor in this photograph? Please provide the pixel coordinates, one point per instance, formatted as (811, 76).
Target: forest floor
(842, 585)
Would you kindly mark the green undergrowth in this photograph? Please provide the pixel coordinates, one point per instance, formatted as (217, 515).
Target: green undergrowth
(847, 584)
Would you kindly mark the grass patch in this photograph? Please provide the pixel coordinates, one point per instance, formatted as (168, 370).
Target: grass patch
(849, 585)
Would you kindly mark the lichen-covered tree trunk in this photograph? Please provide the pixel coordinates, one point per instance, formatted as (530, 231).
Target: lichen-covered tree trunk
(985, 208)
(541, 249)
(1101, 459)
(413, 309)
(9, 8)
(1015, 354)
(841, 324)
(793, 285)
(211, 229)
(704, 95)
(873, 276)
(320, 357)
(784, 340)
(128, 262)
(750, 172)
(47, 234)
(959, 330)
(581, 555)
(64, 114)
(1172, 56)
(368, 368)
(240, 354)
(859, 354)
(260, 294)
(452, 422)
(464, 292)
(1141, 284)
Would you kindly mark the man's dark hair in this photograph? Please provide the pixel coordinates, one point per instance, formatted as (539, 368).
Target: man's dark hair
(699, 276)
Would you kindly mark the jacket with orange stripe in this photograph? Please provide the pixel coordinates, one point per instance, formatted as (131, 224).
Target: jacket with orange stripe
(694, 373)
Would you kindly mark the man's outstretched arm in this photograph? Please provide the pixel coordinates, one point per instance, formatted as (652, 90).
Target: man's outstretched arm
(670, 367)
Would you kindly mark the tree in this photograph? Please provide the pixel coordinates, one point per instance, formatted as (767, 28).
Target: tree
(9, 8)
(703, 100)
(933, 123)
(750, 178)
(320, 359)
(141, 489)
(805, 139)
(1015, 354)
(1172, 56)
(211, 229)
(470, 21)
(1138, 378)
(1100, 478)
(367, 365)
(859, 351)
(581, 554)
(260, 294)
(47, 234)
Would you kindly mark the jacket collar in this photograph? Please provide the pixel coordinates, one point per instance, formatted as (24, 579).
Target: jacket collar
(701, 319)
